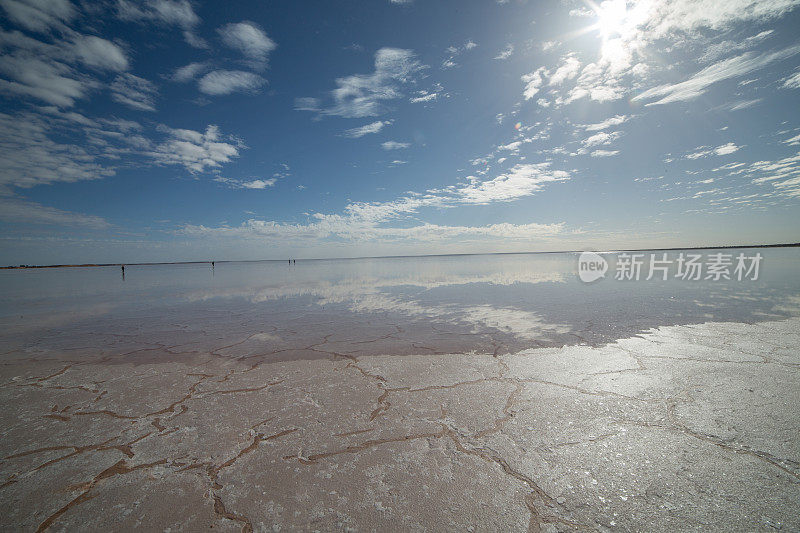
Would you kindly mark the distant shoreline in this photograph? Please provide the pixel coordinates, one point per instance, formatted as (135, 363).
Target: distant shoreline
(20, 267)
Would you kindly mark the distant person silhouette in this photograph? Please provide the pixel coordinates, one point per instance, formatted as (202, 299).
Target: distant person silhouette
(294, 261)
(123, 272)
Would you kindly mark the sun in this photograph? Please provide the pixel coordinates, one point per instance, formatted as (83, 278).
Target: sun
(612, 16)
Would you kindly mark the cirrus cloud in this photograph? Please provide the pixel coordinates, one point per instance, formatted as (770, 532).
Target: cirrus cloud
(221, 82)
(394, 145)
(196, 151)
(373, 127)
(248, 38)
(361, 95)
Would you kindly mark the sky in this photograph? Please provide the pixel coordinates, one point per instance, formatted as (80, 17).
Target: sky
(177, 130)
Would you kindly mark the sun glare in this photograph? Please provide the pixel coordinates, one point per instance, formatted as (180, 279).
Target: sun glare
(611, 17)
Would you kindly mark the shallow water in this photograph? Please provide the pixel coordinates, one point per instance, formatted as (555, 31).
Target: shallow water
(441, 304)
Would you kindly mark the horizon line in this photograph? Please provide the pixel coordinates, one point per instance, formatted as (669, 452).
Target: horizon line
(208, 262)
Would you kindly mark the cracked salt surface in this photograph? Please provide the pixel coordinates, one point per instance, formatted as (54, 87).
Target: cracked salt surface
(485, 393)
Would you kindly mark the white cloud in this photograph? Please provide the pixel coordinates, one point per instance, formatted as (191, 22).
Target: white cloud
(703, 151)
(134, 92)
(424, 97)
(510, 147)
(258, 184)
(29, 156)
(307, 104)
(616, 120)
(600, 138)
(597, 82)
(726, 149)
(362, 221)
(249, 39)
(570, 66)
(671, 16)
(188, 72)
(373, 127)
(782, 174)
(373, 213)
(194, 40)
(166, 12)
(697, 84)
(39, 15)
(640, 23)
(518, 182)
(20, 41)
(743, 104)
(628, 30)
(18, 211)
(582, 12)
(793, 141)
(360, 95)
(792, 82)
(604, 153)
(533, 82)
(521, 180)
(97, 52)
(773, 170)
(221, 82)
(505, 53)
(32, 152)
(50, 81)
(724, 48)
(700, 151)
(173, 12)
(72, 116)
(49, 71)
(355, 230)
(454, 50)
(394, 145)
(435, 232)
(194, 150)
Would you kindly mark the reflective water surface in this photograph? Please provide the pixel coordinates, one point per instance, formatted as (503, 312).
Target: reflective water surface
(273, 310)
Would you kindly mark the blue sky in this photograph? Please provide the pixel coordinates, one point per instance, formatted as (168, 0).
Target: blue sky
(176, 130)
